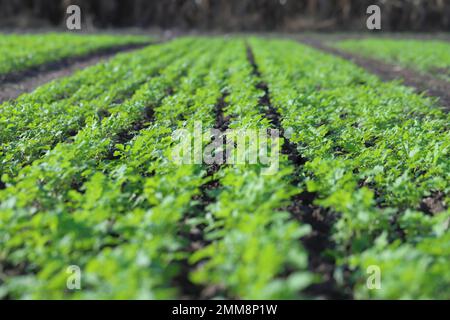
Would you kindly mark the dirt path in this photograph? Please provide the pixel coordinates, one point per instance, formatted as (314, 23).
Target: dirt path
(14, 84)
(429, 85)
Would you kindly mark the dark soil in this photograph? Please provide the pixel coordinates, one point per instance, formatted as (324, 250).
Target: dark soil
(422, 83)
(318, 243)
(433, 204)
(441, 71)
(127, 135)
(222, 122)
(14, 84)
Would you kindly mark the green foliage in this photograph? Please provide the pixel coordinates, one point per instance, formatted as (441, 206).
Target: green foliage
(87, 178)
(407, 271)
(430, 56)
(252, 242)
(374, 150)
(19, 52)
(79, 225)
(26, 136)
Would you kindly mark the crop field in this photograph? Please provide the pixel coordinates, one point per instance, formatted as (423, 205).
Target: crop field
(426, 56)
(18, 52)
(358, 178)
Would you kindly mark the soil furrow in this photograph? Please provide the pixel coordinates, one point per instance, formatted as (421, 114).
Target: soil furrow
(302, 208)
(434, 204)
(14, 84)
(126, 136)
(194, 235)
(422, 83)
(123, 137)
